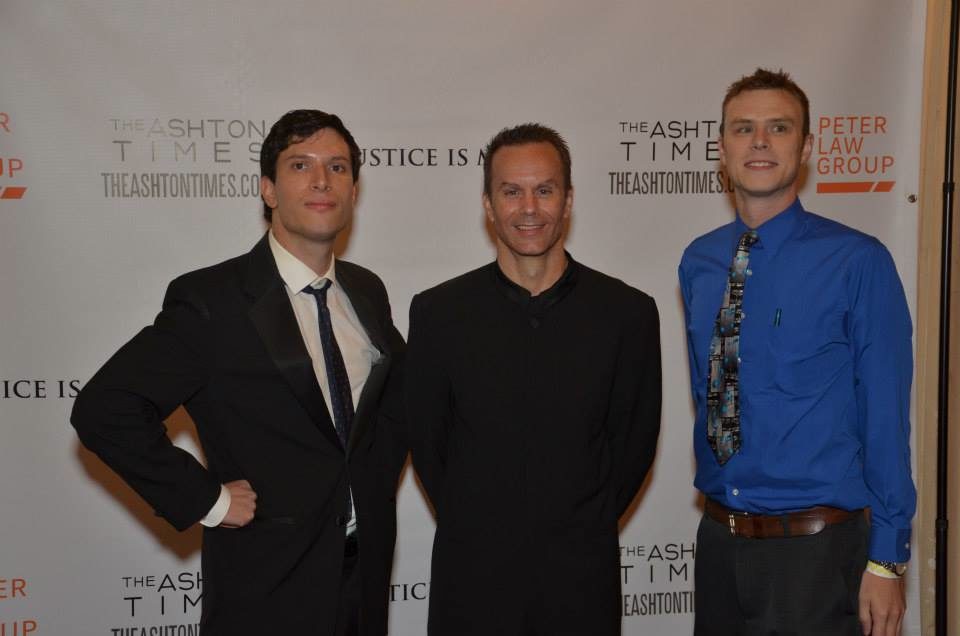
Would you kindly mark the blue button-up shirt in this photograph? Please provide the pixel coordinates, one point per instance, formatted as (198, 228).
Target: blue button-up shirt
(825, 370)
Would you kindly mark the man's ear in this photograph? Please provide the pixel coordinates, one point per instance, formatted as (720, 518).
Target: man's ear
(268, 192)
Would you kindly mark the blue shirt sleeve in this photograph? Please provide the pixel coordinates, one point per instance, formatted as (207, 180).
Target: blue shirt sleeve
(880, 332)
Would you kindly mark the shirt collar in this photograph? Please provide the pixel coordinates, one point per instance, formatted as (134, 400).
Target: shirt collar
(545, 299)
(777, 230)
(294, 272)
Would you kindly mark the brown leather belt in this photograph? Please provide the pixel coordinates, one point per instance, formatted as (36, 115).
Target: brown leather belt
(789, 524)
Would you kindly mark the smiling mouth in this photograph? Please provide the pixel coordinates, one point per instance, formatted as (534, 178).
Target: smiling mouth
(529, 227)
(760, 164)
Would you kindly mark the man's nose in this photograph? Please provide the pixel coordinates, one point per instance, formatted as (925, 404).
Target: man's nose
(760, 140)
(529, 202)
(319, 181)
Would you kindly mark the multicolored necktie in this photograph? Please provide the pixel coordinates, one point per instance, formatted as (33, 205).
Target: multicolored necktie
(723, 384)
(341, 397)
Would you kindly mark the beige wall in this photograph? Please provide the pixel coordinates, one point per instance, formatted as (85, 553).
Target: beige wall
(927, 331)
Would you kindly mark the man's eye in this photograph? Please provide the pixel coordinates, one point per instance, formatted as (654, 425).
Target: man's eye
(299, 165)
(545, 191)
(511, 193)
(779, 128)
(337, 167)
(744, 129)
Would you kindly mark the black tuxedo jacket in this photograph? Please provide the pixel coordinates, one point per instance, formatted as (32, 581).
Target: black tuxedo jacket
(227, 346)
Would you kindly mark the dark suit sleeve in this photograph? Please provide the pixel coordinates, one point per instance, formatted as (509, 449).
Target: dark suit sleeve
(633, 422)
(427, 393)
(119, 413)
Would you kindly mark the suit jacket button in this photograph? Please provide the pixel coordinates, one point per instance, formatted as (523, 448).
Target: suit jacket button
(341, 521)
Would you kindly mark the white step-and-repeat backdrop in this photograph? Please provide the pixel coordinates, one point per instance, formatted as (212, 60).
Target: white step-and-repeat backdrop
(129, 138)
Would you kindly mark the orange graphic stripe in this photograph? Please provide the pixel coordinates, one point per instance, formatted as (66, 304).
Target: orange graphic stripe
(12, 192)
(844, 187)
(853, 187)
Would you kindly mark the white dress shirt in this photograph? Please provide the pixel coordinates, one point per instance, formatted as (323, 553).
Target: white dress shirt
(358, 352)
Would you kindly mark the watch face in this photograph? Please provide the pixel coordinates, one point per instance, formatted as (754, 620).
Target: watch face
(893, 568)
(896, 568)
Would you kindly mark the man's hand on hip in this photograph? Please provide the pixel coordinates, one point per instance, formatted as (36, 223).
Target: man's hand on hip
(243, 504)
(881, 605)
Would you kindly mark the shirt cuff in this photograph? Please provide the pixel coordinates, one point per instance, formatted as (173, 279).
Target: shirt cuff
(889, 544)
(219, 510)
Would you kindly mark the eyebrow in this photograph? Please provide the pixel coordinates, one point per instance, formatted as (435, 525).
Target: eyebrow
(307, 156)
(505, 184)
(776, 120)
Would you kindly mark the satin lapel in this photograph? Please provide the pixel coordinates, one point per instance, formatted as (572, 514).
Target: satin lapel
(367, 316)
(273, 317)
(369, 397)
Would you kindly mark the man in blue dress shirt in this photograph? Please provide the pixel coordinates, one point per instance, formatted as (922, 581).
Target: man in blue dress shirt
(800, 351)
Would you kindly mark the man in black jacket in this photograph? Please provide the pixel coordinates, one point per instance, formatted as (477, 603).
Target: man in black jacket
(287, 360)
(534, 396)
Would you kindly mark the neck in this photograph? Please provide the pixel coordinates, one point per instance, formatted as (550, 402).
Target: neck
(755, 211)
(314, 254)
(536, 274)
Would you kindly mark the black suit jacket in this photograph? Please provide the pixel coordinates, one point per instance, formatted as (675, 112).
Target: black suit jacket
(533, 425)
(227, 346)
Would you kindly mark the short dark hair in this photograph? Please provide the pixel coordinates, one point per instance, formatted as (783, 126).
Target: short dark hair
(294, 127)
(526, 134)
(764, 79)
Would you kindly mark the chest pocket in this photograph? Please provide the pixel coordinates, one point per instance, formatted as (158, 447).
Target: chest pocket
(810, 345)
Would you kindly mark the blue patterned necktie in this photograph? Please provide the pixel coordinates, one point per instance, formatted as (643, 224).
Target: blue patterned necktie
(341, 397)
(723, 384)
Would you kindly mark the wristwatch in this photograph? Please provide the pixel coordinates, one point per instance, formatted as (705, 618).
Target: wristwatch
(893, 568)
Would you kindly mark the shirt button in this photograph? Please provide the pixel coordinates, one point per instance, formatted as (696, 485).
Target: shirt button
(743, 315)
(739, 359)
(736, 492)
(749, 272)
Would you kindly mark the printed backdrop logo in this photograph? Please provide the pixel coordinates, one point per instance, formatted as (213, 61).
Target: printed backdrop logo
(13, 590)
(161, 604)
(9, 166)
(183, 158)
(37, 389)
(416, 591)
(848, 160)
(668, 157)
(420, 157)
(651, 576)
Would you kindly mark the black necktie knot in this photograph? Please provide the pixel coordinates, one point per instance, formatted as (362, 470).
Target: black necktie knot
(320, 293)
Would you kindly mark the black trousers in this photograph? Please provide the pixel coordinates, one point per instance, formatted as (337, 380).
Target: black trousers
(802, 586)
(348, 610)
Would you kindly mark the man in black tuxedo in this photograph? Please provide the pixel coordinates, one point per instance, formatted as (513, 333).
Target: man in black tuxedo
(533, 385)
(288, 362)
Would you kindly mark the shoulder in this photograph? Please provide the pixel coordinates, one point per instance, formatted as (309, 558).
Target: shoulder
(213, 275)
(714, 240)
(457, 289)
(227, 284)
(857, 246)
(206, 286)
(608, 289)
(361, 275)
